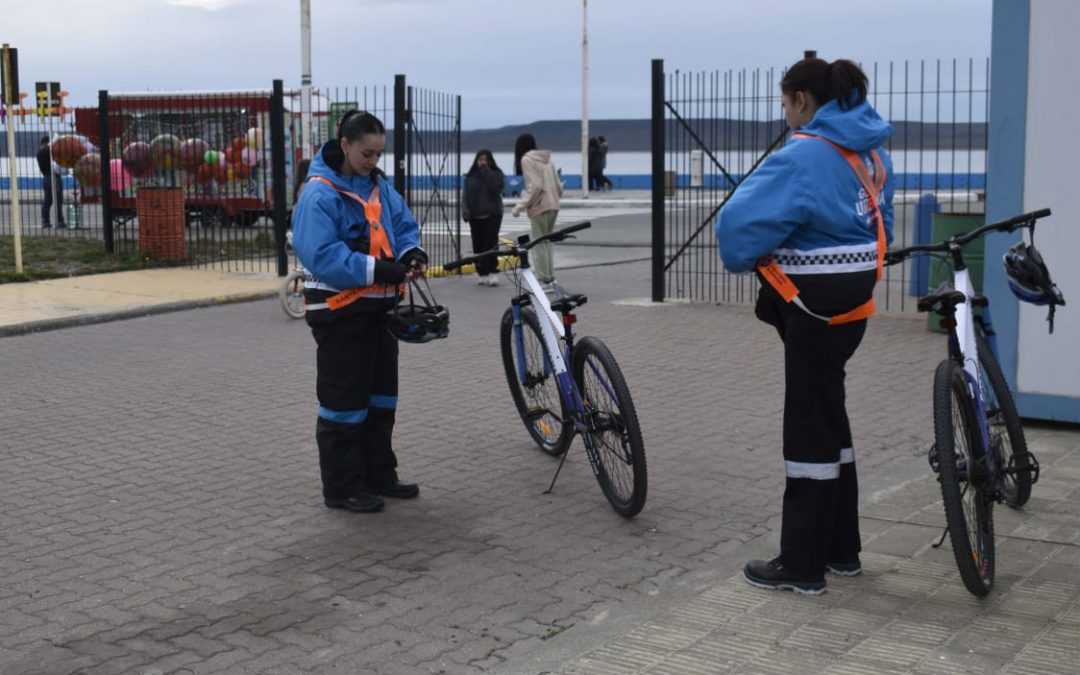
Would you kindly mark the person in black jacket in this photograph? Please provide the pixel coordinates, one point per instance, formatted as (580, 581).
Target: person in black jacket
(482, 208)
(50, 182)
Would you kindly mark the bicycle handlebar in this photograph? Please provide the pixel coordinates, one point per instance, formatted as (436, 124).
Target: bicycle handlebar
(962, 239)
(553, 236)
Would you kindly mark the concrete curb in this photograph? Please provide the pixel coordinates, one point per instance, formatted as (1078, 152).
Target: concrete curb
(134, 313)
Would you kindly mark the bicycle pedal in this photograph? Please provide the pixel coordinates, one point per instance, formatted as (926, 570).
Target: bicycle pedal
(932, 457)
(1031, 467)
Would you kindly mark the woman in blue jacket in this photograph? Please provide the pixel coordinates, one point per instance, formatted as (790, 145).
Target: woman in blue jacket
(813, 221)
(359, 243)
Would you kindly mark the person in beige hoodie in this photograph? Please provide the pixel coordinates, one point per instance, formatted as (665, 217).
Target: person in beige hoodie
(539, 199)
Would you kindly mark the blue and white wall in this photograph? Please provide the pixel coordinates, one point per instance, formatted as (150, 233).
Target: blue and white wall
(1034, 162)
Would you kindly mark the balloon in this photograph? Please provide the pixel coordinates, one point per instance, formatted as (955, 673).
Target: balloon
(210, 157)
(221, 158)
(255, 138)
(230, 174)
(204, 173)
(88, 170)
(249, 157)
(238, 144)
(232, 155)
(119, 177)
(242, 171)
(191, 153)
(218, 172)
(163, 151)
(67, 150)
(137, 158)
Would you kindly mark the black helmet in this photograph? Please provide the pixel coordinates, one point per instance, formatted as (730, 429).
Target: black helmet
(1029, 279)
(418, 323)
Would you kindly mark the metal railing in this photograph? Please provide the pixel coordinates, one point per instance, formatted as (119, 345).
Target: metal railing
(711, 129)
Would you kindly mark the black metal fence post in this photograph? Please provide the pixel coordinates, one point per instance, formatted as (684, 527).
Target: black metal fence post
(400, 124)
(106, 174)
(277, 166)
(658, 229)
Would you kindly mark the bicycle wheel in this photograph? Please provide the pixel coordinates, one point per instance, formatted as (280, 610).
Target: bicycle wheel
(537, 397)
(613, 441)
(968, 509)
(291, 295)
(1006, 432)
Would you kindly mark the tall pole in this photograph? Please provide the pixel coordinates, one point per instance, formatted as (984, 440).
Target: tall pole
(585, 98)
(305, 77)
(10, 96)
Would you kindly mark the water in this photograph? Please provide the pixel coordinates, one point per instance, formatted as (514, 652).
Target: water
(904, 161)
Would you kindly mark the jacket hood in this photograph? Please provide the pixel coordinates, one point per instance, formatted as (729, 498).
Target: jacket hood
(859, 128)
(319, 167)
(542, 156)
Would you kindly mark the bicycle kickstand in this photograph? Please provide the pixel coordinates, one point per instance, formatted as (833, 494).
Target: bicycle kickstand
(557, 470)
(941, 540)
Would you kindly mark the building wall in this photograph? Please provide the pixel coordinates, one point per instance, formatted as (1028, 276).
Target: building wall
(1035, 91)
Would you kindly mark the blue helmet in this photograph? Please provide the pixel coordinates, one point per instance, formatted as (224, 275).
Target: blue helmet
(418, 323)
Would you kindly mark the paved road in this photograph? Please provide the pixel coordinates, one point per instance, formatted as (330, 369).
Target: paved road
(161, 506)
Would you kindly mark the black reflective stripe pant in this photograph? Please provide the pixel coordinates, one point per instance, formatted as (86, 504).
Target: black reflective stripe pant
(821, 497)
(357, 386)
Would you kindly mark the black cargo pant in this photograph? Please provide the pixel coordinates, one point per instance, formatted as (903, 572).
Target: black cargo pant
(821, 497)
(357, 387)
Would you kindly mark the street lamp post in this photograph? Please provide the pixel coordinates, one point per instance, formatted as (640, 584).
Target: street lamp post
(305, 78)
(585, 98)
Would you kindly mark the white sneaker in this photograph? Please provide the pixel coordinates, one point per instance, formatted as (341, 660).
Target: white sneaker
(482, 281)
(493, 280)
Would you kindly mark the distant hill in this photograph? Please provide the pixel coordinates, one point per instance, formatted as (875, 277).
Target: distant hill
(633, 135)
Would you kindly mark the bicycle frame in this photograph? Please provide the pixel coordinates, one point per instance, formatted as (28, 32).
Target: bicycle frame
(550, 322)
(962, 345)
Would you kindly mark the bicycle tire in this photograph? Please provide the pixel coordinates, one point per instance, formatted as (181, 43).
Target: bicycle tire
(291, 295)
(1003, 423)
(614, 444)
(968, 509)
(535, 399)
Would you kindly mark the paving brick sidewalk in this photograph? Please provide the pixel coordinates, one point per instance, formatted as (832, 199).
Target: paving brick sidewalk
(161, 509)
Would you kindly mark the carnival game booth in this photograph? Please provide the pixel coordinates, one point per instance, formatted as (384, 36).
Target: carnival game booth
(177, 159)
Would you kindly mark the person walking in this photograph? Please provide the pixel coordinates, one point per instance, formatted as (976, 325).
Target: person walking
(359, 243)
(540, 200)
(52, 184)
(482, 208)
(594, 164)
(603, 183)
(814, 221)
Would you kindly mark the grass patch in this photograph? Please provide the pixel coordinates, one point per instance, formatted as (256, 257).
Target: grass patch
(58, 257)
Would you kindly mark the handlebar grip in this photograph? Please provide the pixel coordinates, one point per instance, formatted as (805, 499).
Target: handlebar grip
(574, 228)
(454, 264)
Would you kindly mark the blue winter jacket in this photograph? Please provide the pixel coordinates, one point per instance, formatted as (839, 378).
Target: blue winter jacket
(327, 227)
(804, 204)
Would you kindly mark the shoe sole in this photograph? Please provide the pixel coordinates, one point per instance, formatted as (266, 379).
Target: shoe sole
(842, 572)
(343, 507)
(782, 586)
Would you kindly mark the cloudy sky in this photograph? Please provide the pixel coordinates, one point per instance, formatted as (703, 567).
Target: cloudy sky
(512, 61)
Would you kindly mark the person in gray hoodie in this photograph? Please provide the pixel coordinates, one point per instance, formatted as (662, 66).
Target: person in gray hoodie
(540, 199)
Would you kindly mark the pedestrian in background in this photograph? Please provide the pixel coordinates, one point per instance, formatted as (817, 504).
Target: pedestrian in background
(359, 243)
(603, 183)
(814, 219)
(539, 199)
(482, 208)
(594, 164)
(52, 183)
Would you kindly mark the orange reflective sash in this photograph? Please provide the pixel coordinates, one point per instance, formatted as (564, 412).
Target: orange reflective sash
(770, 270)
(378, 247)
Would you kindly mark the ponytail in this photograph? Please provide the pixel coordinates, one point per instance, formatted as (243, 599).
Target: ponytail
(842, 80)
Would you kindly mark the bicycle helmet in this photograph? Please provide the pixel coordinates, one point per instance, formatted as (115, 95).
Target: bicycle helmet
(1029, 279)
(418, 323)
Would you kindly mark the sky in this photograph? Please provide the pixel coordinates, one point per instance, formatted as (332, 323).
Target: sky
(512, 61)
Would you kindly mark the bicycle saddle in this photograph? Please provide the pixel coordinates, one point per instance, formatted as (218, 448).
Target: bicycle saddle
(568, 302)
(947, 297)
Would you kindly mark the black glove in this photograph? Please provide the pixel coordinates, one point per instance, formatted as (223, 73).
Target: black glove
(413, 256)
(389, 272)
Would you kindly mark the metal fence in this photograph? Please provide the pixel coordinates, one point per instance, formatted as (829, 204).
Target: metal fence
(711, 129)
(209, 178)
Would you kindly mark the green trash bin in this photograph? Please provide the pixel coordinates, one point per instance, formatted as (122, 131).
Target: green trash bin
(942, 226)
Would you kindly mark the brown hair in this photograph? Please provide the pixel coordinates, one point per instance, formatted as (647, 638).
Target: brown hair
(842, 80)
